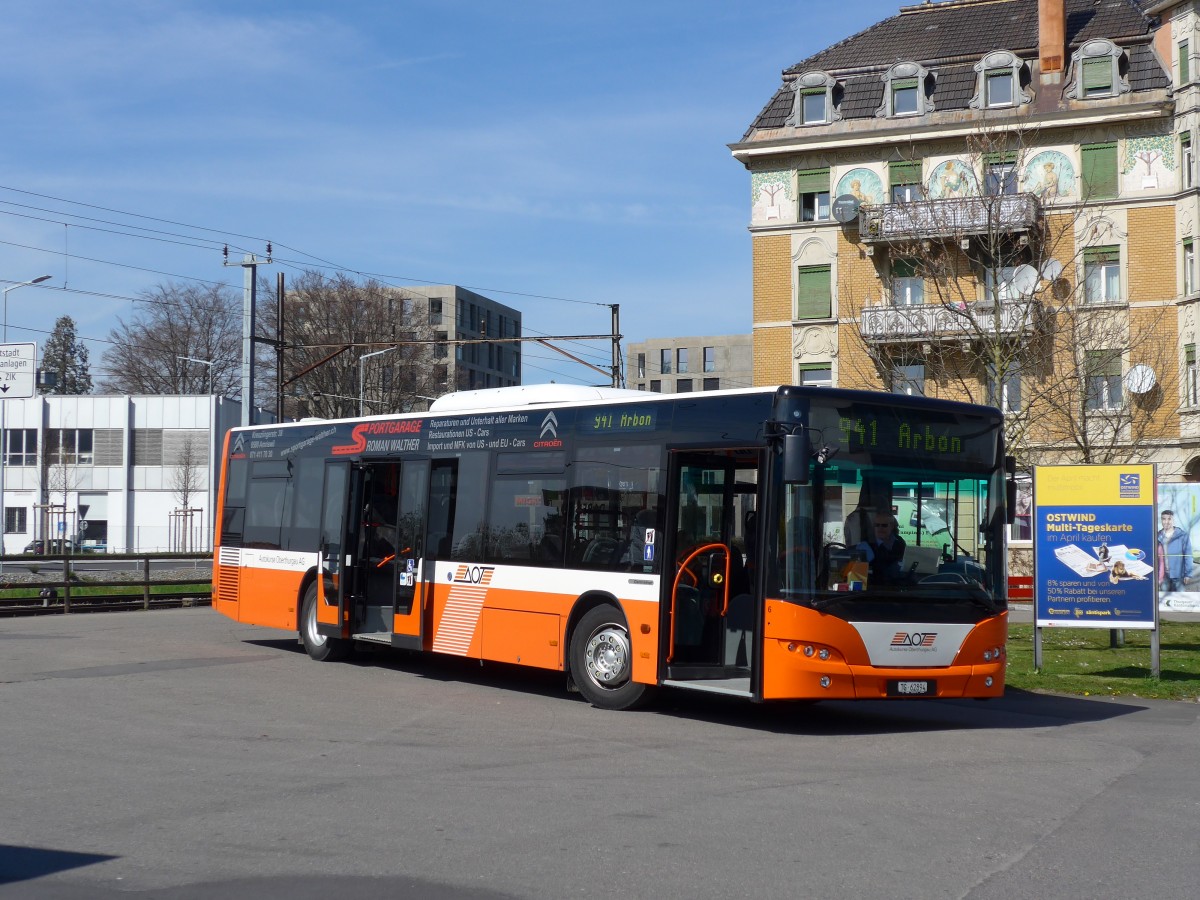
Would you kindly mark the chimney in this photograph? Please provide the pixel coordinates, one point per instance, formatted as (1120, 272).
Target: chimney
(1052, 39)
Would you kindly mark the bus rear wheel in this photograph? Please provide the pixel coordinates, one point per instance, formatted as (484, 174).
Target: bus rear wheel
(602, 661)
(319, 646)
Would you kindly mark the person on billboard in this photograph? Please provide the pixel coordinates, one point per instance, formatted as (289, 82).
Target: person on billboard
(1174, 554)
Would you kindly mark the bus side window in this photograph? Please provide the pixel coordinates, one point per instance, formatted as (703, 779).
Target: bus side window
(441, 508)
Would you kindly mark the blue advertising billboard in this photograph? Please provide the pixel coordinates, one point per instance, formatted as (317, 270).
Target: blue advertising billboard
(1095, 539)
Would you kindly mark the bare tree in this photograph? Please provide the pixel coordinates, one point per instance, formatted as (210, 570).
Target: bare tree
(175, 325)
(186, 479)
(331, 322)
(997, 294)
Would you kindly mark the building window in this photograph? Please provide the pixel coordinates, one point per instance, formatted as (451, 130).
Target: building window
(681, 360)
(998, 284)
(905, 178)
(1103, 373)
(20, 447)
(1189, 267)
(683, 386)
(1185, 63)
(998, 81)
(816, 375)
(998, 87)
(814, 296)
(904, 91)
(712, 384)
(812, 186)
(15, 520)
(908, 288)
(1187, 160)
(814, 102)
(70, 446)
(664, 362)
(908, 380)
(1096, 71)
(710, 359)
(1099, 171)
(1097, 77)
(435, 310)
(641, 365)
(1007, 395)
(656, 385)
(1102, 275)
(1000, 174)
(1191, 384)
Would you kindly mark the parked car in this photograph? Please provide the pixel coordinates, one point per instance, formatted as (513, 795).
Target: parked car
(57, 545)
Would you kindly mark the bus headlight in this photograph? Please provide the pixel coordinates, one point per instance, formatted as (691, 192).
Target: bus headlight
(824, 654)
(826, 681)
(808, 651)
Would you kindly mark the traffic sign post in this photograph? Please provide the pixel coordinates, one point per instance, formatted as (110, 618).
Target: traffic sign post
(18, 371)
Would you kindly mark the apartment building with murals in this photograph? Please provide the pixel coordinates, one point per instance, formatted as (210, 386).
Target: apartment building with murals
(992, 200)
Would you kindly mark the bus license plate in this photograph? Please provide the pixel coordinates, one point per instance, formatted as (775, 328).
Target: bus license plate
(912, 688)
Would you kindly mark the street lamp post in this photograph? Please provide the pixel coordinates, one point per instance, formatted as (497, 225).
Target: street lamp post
(3, 437)
(362, 371)
(207, 372)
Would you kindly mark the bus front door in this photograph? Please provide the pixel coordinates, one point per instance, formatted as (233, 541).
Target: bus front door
(712, 614)
(389, 577)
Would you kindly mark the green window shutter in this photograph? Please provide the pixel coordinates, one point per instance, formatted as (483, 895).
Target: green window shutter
(1000, 157)
(1189, 354)
(1099, 171)
(1097, 74)
(813, 367)
(1104, 362)
(904, 268)
(1185, 63)
(1102, 254)
(812, 181)
(904, 83)
(1185, 140)
(814, 299)
(904, 172)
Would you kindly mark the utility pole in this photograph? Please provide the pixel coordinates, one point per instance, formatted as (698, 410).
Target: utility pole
(279, 347)
(616, 345)
(249, 264)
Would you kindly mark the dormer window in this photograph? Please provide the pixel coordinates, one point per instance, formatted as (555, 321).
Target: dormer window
(904, 91)
(998, 81)
(814, 105)
(814, 100)
(1097, 72)
(999, 88)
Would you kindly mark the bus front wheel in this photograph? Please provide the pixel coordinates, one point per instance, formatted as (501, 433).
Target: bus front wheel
(319, 646)
(602, 661)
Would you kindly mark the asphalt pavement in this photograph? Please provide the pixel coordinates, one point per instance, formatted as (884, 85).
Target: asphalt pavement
(177, 755)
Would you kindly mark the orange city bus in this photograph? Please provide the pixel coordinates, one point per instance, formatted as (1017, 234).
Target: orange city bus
(718, 541)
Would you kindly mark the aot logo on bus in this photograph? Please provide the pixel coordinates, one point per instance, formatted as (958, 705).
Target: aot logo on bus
(472, 575)
(914, 640)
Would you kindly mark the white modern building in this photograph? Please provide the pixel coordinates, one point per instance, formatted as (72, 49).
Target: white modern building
(122, 474)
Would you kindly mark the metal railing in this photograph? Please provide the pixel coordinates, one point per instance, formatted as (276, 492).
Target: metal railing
(72, 583)
(933, 321)
(956, 217)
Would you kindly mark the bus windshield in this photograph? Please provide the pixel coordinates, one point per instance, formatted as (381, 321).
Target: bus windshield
(885, 528)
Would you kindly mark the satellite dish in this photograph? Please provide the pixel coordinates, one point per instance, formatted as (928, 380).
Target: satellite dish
(1025, 279)
(845, 208)
(1051, 270)
(1140, 379)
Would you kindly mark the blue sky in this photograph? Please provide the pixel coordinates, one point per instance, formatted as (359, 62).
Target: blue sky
(527, 150)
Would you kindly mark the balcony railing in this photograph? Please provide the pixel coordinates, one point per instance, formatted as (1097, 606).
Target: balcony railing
(937, 321)
(951, 218)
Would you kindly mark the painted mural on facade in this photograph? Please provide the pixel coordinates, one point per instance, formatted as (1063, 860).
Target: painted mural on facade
(1148, 163)
(1050, 175)
(771, 196)
(863, 184)
(953, 178)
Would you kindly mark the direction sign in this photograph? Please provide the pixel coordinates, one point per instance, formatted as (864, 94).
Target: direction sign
(18, 370)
